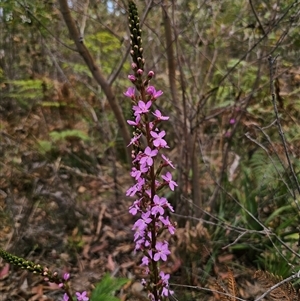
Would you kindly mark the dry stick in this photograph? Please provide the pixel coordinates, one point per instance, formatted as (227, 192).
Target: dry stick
(281, 133)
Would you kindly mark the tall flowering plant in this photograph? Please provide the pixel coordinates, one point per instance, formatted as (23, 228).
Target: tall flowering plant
(148, 170)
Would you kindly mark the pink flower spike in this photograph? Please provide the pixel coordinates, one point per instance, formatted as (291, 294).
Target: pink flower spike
(158, 139)
(159, 116)
(130, 92)
(168, 162)
(168, 178)
(82, 296)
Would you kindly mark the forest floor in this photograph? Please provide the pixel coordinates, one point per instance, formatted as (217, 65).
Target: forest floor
(67, 210)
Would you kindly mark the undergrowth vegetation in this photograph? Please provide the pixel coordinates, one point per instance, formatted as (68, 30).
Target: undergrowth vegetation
(230, 80)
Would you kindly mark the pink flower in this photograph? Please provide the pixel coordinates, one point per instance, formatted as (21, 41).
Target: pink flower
(136, 122)
(168, 178)
(164, 277)
(82, 296)
(136, 187)
(143, 222)
(166, 292)
(66, 297)
(159, 116)
(232, 121)
(145, 260)
(130, 92)
(167, 223)
(147, 157)
(151, 91)
(159, 203)
(158, 139)
(134, 140)
(136, 173)
(66, 276)
(142, 107)
(135, 207)
(168, 162)
(162, 250)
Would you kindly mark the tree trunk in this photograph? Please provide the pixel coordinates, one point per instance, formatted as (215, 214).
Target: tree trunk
(96, 72)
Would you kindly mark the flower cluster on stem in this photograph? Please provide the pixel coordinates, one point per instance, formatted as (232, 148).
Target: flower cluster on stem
(150, 171)
(47, 274)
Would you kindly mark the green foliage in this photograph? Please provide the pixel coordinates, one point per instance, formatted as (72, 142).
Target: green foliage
(103, 44)
(44, 146)
(26, 91)
(63, 135)
(106, 288)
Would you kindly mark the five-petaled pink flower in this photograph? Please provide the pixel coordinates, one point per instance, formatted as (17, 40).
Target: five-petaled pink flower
(161, 251)
(143, 222)
(159, 204)
(158, 139)
(142, 107)
(82, 296)
(168, 178)
(147, 156)
(145, 260)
